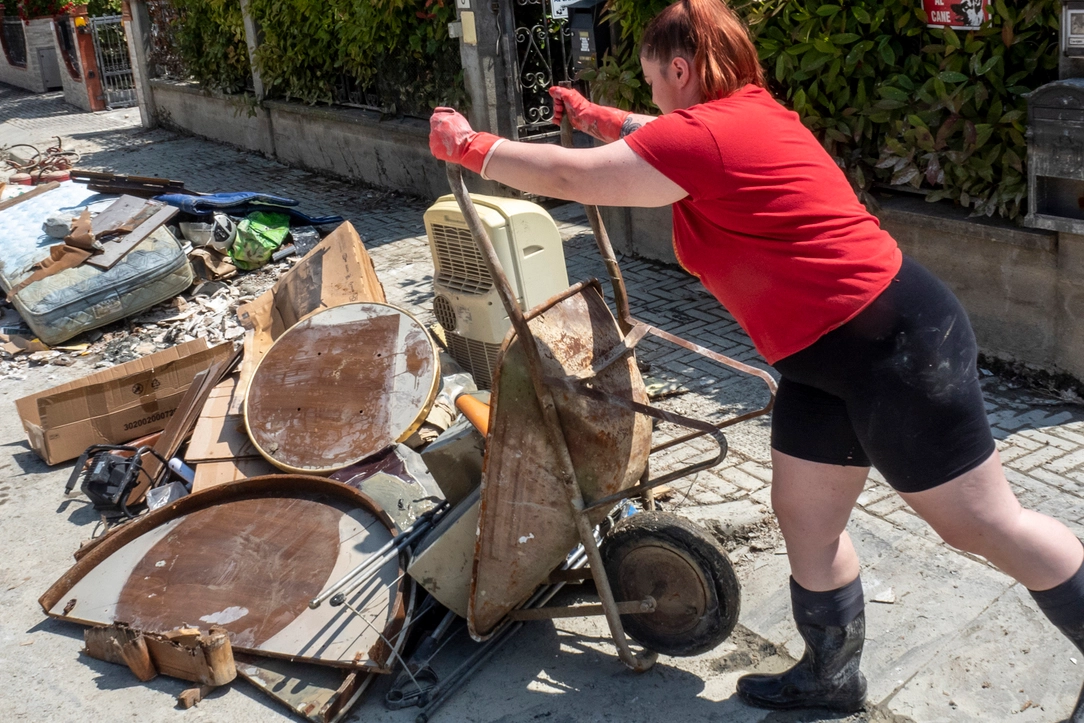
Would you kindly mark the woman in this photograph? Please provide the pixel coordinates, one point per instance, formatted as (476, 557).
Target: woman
(877, 358)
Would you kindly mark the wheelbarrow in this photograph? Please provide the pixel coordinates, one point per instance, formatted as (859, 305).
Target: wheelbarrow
(569, 438)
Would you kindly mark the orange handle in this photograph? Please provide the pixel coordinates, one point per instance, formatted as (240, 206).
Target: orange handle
(476, 412)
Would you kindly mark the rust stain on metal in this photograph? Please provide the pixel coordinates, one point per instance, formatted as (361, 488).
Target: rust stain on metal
(526, 528)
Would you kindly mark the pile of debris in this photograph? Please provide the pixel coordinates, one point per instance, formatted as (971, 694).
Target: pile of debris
(206, 440)
(77, 259)
(306, 510)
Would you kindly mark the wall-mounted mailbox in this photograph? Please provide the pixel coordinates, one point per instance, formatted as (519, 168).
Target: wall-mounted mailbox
(1072, 27)
(1056, 156)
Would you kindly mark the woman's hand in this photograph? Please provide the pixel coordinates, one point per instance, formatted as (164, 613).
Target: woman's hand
(595, 120)
(452, 139)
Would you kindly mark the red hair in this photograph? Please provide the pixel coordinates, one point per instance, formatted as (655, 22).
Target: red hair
(711, 37)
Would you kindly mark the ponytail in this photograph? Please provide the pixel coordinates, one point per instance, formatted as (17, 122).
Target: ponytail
(709, 35)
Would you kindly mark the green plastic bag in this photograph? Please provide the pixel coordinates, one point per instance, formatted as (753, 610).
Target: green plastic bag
(258, 236)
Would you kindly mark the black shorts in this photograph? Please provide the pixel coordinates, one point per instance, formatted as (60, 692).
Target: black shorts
(896, 387)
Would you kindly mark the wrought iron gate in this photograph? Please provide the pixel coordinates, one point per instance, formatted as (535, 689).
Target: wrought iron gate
(541, 48)
(114, 65)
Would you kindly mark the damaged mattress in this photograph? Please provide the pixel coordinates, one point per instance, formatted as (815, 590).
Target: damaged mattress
(72, 301)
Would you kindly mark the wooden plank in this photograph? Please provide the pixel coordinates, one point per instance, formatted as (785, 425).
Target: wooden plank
(121, 210)
(212, 474)
(118, 249)
(181, 423)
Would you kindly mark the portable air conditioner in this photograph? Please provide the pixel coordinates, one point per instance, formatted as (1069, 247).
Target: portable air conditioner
(465, 300)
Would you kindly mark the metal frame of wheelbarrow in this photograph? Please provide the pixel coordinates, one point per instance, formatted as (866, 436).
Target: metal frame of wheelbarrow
(633, 331)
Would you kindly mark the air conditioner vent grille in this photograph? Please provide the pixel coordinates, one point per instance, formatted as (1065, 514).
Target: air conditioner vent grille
(443, 311)
(477, 357)
(460, 266)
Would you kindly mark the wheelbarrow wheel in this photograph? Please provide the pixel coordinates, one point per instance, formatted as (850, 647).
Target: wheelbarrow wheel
(685, 570)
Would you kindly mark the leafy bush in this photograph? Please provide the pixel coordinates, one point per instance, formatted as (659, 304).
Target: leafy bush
(210, 37)
(27, 9)
(98, 8)
(396, 50)
(890, 99)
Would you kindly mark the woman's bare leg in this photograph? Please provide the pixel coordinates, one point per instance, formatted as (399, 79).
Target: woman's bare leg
(978, 513)
(813, 502)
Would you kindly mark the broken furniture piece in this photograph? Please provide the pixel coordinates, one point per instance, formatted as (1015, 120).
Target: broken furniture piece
(341, 385)
(185, 653)
(248, 557)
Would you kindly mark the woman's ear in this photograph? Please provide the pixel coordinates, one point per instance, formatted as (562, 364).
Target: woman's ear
(681, 70)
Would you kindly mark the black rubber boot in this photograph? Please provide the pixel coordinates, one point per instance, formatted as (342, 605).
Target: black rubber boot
(833, 625)
(1064, 605)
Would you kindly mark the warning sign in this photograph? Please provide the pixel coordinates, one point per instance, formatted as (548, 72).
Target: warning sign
(957, 14)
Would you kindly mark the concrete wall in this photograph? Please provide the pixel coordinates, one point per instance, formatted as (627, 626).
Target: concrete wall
(228, 119)
(351, 143)
(39, 34)
(75, 89)
(356, 144)
(1022, 288)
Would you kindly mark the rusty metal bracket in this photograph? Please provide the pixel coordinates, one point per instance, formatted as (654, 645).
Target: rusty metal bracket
(704, 428)
(639, 331)
(632, 607)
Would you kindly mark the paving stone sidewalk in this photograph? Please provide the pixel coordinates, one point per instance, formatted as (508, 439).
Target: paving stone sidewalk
(950, 639)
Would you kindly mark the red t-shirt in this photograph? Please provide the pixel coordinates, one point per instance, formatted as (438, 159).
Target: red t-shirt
(770, 226)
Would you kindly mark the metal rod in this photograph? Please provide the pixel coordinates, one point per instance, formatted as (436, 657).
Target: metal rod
(361, 578)
(380, 556)
(451, 685)
(602, 239)
(566, 471)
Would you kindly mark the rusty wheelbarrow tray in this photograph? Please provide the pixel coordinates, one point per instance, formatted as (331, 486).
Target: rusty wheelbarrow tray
(553, 447)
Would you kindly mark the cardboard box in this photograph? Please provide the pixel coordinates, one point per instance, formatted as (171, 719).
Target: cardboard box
(116, 405)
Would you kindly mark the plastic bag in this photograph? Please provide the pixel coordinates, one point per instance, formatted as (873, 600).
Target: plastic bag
(258, 236)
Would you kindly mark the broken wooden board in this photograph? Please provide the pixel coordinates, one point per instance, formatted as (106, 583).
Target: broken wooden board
(319, 693)
(220, 431)
(198, 657)
(341, 385)
(338, 271)
(247, 556)
(212, 474)
(113, 251)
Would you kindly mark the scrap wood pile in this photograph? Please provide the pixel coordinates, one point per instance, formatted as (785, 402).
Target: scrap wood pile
(182, 449)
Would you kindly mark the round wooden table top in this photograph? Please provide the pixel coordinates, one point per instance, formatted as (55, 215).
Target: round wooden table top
(341, 385)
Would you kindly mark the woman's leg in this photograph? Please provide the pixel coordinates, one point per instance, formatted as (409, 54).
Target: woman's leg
(813, 502)
(977, 512)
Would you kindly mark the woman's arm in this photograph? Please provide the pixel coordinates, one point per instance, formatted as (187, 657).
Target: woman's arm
(602, 122)
(610, 175)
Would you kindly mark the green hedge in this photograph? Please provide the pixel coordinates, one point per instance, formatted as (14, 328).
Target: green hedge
(209, 35)
(891, 100)
(396, 51)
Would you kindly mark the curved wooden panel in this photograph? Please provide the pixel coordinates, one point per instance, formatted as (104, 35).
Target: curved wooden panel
(247, 556)
(340, 386)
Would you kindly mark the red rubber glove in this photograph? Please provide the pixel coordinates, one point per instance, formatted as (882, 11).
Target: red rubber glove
(593, 119)
(452, 139)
